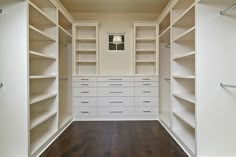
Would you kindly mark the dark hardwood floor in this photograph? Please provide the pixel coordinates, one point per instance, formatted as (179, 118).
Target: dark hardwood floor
(115, 139)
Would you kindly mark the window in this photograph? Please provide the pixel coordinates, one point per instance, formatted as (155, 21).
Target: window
(116, 42)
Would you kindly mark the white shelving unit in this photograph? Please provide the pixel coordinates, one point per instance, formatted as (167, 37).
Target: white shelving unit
(183, 72)
(145, 49)
(85, 48)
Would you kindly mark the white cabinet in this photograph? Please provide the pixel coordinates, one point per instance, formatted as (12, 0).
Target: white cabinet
(124, 97)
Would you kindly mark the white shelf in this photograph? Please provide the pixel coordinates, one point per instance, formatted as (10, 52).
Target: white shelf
(40, 15)
(146, 39)
(183, 77)
(42, 76)
(86, 50)
(178, 20)
(165, 36)
(187, 117)
(145, 61)
(64, 36)
(39, 119)
(190, 97)
(36, 34)
(189, 55)
(35, 98)
(188, 35)
(86, 39)
(41, 55)
(145, 50)
(86, 61)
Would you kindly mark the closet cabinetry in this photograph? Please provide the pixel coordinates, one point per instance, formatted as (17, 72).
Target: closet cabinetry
(46, 32)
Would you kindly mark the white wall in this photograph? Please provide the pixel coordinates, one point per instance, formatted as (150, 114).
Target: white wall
(216, 63)
(13, 74)
(116, 63)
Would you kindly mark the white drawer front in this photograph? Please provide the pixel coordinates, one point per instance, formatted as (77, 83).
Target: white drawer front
(84, 79)
(84, 84)
(116, 79)
(151, 78)
(116, 101)
(146, 84)
(146, 91)
(84, 91)
(146, 101)
(85, 101)
(85, 111)
(115, 111)
(116, 84)
(115, 92)
(146, 111)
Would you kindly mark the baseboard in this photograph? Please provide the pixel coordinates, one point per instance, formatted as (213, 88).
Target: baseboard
(140, 118)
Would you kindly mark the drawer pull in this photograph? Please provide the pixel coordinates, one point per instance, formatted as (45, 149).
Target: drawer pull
(116, 102)
(115, 92)
(146, 111)
(84, 102)
(146, 101)
(84, 84)
(85, 92)
(116, 111)
(146, 91)
(146, 79)
(84, 79)
(84, 112)
(146, 84)
(116, 84)
(115, 79)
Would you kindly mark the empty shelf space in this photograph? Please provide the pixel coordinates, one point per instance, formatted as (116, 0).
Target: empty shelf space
(186, 17)
(190, 97)
(43, 76)
(38, 119)
(41, 55)
(165, 36)
(38, 16)
(187, 117)
(145, 61)
(64, 36)
(86, 50)
(189, 35)
(146, 39)
(189, 55)
(86, 61)
(145, 50)
(86, 39)
(36, 34)
(35, 98)
(187, 138)
(184, 77)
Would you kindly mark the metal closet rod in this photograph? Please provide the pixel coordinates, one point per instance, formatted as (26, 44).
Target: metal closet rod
(227, 85)
(230, 7)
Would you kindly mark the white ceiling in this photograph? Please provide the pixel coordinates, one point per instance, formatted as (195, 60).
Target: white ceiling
(115, 6)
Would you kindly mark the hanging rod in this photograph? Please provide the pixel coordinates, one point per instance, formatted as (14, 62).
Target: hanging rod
(230, 7)
(227, 85)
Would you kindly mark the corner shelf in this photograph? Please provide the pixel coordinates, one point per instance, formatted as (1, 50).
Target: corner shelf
(185, 16)
(40, 55)
(189, 55)
(35, 98)
(189, 35)
(36, 34)
(39, 119)
(190, 97)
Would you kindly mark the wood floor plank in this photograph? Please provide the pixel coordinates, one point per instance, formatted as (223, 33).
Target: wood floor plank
(115, 139)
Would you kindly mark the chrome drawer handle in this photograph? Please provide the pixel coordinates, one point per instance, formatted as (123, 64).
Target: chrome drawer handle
(84, 79)
(146, 111)
(115, 92)
(84, 84)
(116, 84)
(146, 101)
(116, 111)
(84, 92)
(84, 112)
(167, 79)
(85, 102)
(1, 85)
(146, 91)
(146, 79)
(146, 84)
(115, 79)
(113, 102)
